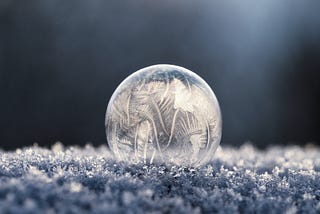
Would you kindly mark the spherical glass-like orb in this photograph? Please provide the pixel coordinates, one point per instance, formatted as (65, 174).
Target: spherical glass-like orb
(164, 114)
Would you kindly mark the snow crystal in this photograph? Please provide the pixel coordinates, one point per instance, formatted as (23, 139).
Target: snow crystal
(86, 180)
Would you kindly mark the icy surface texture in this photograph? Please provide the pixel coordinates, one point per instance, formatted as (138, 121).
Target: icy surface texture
(81, 180)
(164, 113)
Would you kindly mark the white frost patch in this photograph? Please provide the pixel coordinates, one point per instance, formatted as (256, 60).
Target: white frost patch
(75, 187)
(85, 180)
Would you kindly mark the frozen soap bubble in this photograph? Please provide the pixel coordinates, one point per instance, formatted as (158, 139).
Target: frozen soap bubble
(163, 114)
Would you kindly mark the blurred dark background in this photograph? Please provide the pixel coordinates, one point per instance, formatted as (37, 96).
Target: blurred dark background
(60, 62)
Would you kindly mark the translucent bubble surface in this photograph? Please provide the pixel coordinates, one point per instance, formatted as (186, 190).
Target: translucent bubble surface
(163, 113)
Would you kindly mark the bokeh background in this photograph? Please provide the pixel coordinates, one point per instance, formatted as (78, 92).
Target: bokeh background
(60, 62)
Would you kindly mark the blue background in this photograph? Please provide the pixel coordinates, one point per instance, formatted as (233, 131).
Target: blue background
(60, 62)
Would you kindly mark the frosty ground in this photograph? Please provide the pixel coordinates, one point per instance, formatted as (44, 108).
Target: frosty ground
(81, 180)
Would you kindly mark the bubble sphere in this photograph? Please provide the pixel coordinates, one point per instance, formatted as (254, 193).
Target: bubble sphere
(163, 114)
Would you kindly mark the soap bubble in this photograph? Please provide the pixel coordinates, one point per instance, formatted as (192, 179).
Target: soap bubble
(163, 114)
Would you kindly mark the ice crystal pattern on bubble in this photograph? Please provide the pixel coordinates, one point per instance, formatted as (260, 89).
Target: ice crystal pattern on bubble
(163, 113)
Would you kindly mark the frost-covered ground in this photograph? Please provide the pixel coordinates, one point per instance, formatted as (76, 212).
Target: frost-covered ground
(74, 180)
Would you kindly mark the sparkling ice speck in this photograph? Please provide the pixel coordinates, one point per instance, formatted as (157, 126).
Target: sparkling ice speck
(163, 113)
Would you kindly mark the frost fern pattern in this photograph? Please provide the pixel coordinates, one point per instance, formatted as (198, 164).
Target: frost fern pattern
(163, 114)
